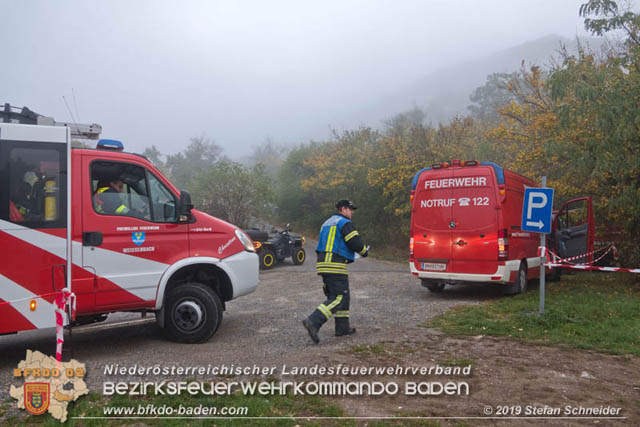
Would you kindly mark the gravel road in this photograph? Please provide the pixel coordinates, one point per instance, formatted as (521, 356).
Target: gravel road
(262, 328)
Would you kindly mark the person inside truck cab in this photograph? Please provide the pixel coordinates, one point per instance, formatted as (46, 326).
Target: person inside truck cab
(107, 198)
(20, 202)
(14, 213)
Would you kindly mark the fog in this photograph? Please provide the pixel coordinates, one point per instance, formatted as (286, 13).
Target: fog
(238, 72)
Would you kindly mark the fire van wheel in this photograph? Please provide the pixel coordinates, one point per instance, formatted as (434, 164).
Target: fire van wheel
(521, 280)
(267, 259)
(433, 285)
(192, 313)
(299, 257)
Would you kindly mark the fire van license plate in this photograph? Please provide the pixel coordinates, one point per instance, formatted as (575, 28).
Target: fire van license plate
(434, 266)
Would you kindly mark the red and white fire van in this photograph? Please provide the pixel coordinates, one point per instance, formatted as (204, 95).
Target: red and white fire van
(155, 253)
(465, 227)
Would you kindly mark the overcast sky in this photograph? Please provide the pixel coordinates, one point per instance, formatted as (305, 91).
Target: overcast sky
(160, 72)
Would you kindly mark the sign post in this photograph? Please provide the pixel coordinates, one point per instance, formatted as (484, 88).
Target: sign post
(536, 217)
(543, 255)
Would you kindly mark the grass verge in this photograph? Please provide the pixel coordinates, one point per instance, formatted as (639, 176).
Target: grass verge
(94, 405)
(597, 311)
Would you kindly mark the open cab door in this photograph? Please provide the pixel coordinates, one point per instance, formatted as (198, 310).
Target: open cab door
(573, 230)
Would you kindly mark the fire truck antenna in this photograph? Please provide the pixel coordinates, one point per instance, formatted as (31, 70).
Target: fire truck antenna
(69, 110)
(75, 104)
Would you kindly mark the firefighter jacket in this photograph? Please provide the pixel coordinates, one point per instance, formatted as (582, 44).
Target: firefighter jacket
(337, 244)
(107, 200)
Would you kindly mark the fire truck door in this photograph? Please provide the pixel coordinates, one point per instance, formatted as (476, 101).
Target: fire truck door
(130, 236)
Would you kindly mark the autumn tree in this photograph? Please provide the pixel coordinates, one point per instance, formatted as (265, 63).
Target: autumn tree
(233, 192)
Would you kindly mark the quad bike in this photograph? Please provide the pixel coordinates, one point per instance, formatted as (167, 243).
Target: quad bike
(276, 246)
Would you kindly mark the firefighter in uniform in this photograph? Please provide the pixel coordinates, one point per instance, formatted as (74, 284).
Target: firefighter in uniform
(107, 198)
(337, 245)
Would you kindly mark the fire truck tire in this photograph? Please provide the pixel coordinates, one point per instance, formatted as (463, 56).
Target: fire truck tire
(220, 311)
(192, 314)
(521, 279)
(267, 259)
(433, 285)
(299, 257)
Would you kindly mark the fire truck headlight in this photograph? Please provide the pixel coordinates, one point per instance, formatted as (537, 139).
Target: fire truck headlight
(245, 240)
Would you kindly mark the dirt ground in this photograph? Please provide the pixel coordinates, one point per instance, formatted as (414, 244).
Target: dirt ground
(388, 308)
(517, 377)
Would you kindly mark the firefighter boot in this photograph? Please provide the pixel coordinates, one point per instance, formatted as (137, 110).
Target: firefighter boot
(343, 328)
(312, 329)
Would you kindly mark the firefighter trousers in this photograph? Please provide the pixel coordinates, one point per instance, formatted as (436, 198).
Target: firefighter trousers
(336, 288)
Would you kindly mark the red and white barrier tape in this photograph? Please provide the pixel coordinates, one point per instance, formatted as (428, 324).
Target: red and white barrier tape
(563, 263)
(29, 298)
(592, 267)
(64, 297)
(611, 248)
(557, 259)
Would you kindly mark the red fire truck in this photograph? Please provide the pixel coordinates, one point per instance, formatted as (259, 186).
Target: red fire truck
(465, 227)
(151, 252)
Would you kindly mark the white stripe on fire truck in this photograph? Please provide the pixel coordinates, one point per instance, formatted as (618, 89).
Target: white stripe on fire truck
(42, 317)
(142, 277)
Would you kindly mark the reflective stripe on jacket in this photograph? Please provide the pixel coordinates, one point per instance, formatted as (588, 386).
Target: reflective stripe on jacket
(337, 244)
(331, 239)
(122, 209)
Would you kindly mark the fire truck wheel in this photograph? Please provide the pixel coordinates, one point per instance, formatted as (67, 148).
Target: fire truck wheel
(220, 311)
(267, 259)
(433, 285)
(521, 279)
(193, 313)
(299, 257)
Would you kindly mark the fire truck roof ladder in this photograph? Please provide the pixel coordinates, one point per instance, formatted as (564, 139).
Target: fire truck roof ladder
(25, 116)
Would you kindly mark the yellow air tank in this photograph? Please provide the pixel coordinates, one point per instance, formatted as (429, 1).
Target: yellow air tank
(50, 198)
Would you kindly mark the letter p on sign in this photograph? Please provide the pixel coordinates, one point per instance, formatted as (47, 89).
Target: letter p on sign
(541, 203)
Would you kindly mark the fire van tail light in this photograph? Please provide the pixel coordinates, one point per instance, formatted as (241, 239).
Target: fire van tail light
(502, 190)
(412, 196)
(503, 245)
(411, 247)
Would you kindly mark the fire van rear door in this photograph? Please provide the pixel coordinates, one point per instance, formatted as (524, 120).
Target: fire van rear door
(475, 216)
(431, 215)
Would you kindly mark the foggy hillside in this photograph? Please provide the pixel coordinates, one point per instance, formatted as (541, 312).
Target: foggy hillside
(445, 93)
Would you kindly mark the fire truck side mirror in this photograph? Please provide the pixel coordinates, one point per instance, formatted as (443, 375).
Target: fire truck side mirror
(184, 206)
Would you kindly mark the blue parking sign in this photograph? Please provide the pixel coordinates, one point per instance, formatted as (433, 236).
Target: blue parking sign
(536, 210)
